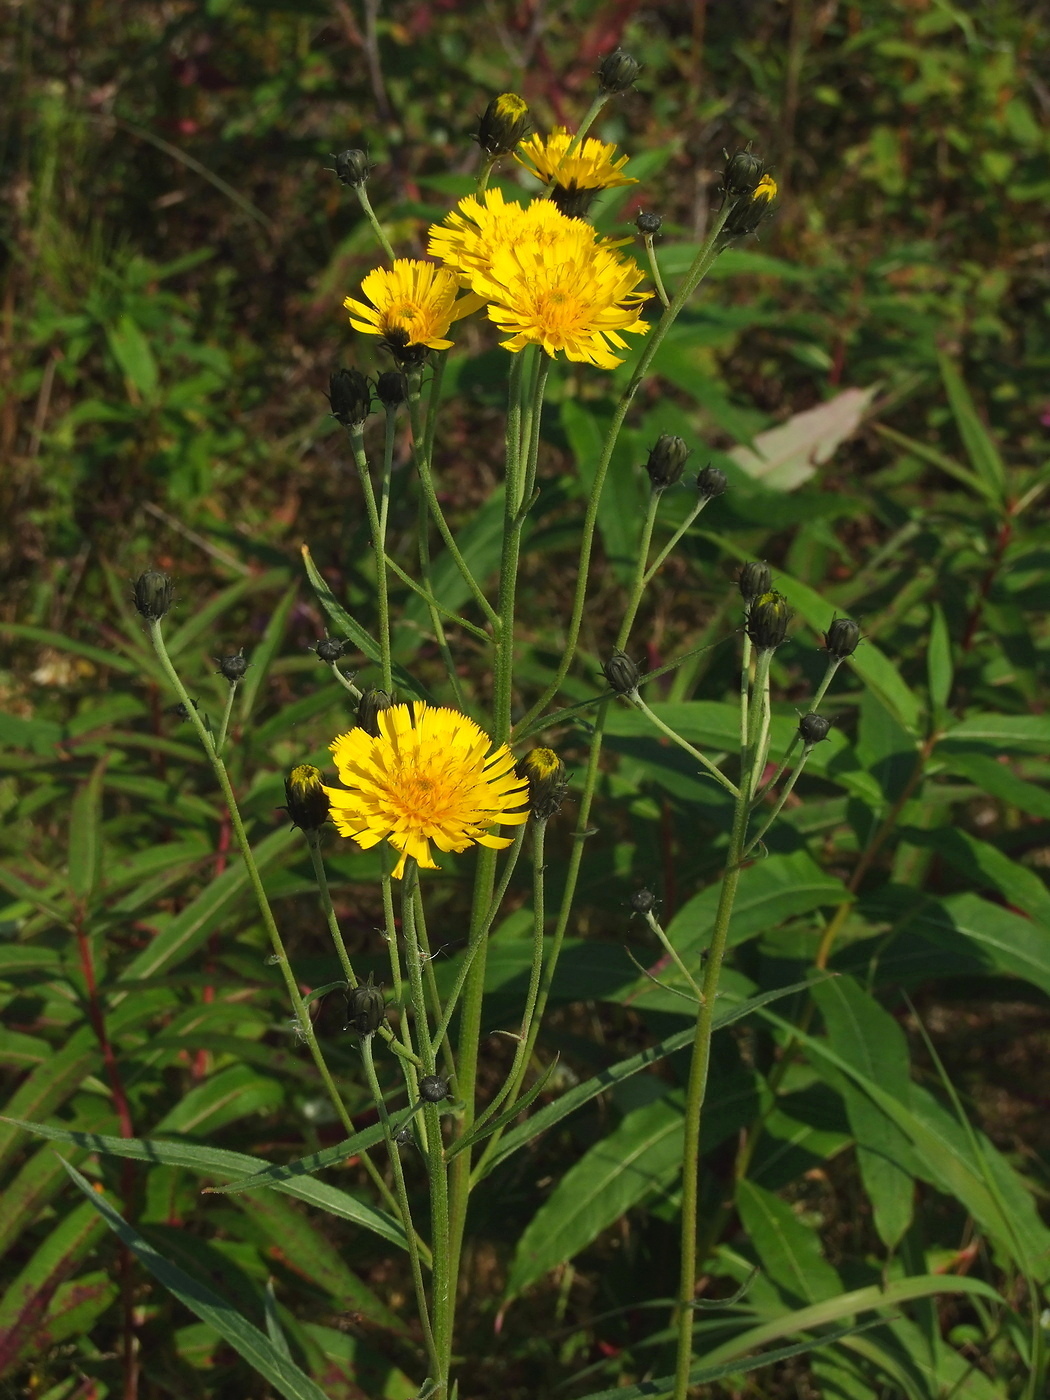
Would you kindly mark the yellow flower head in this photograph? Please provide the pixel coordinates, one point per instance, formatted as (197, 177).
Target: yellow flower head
(590, 166)
(431, 774)
(478, 229)
(412, 303)
(766, 189)
(574, 295)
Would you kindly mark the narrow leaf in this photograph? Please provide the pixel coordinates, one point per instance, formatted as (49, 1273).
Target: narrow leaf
(85, 836)
(981, 450)
(939, 658)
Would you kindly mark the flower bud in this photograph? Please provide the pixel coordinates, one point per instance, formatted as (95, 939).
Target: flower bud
(232, 668)
(504, 123)
(365, 1008)
(643, 902)
(747, 214)
(329, 649)
(433, 1088)
(306, 801)
(152, 594)
(545, 774)
(741, 175)
(621, 673)
(406, 353)
(372, 701)
(649, 223)
(755, 579)
(767, 620)
(841, 638)
(813, 729)
(666, 461)
(351, 167)
(573, 202)
(390, 388)
(711, 482)
(617, 72)
(350, 395)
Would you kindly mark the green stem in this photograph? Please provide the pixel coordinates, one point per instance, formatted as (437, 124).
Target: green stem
(355, 693)
(589, 118)
(702, 264)
(366, 205)
(483, 174)
(433, 603)
(654, 268)
(225, 725)
(437, 626)
(638, 582)
(404, 1207)
(357, 444)
(654, 567)
(433, 995)
(833, 665)
(788, 786)
(508, 570)
(433, 1148)
(716, 773)
(672, 952)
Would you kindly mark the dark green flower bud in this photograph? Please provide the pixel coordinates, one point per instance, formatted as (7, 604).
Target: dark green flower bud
(617, 72)
(330, 649)
(433, 1088)
(643, 902)
(545, 774)
(842, 638)
(748, 213)
(306, 801)
(390, 388)
(711, 482)
(152, 594)
(404, 1137)
(233, 667)
(350, 395)
(621, 673)
(365, 1008)
(182, 710)
(351, 167)
(372, 701)
(813, 729)
(649, 223)
(767, 621)
(755, 579)
(505, 122)
(741, 175)
(573, 202)
(666, 461)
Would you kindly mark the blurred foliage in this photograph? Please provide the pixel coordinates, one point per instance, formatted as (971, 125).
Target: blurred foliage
(175, 260)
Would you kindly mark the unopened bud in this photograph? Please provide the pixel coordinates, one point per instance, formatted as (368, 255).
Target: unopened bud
(390, 388)
(306, 801)
(152, 594)
(365, 1008)
(813, 729)
(433, 1088)
(350, 395)
(621, 673)
(643, 902)
(372, 702)
(649, 223)
(232, 668)
(351, 167)
(842, 638)
(711, 482)
(666, 461)
(504, 123)
(755, 579)
(330, 649)
(767, 621)
(741, 175)
(617, 72)
(747, 214)
(545, 773)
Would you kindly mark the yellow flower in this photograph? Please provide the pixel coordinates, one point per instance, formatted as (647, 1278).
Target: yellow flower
(573, 295)
(477, 229)
(431, 774)
(765, 189)
(413, 303)
(590, 166)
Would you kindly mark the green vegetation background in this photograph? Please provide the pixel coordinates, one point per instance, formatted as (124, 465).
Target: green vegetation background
(175, 258)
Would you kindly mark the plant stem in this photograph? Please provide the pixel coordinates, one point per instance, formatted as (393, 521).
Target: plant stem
(366, 205)
(672, 952)
(654, 268)
(716, 773)
(788, 786)
(357, 444)
(833, 665)
(227, 712)
(654, 567)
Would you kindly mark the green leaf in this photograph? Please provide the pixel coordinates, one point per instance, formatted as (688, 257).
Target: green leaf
(1016, 733)
(203, 618)
(263, 655)
(590, 1089)
(1005, 941)
(85, 836)
(939, 670)
(49, 1085)
(24, 1305)
(980, 448)
(132, 352)
(112, 660)
(249, 1341)
(789, 1250)
(480, 542)
(998, 781)
(638, 1157)
(502, 1119)
(620, 508)
(216, 1161)
(979, 860)
(222, 1099)
(188, 930)
(870, 1039)
(345, 624)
